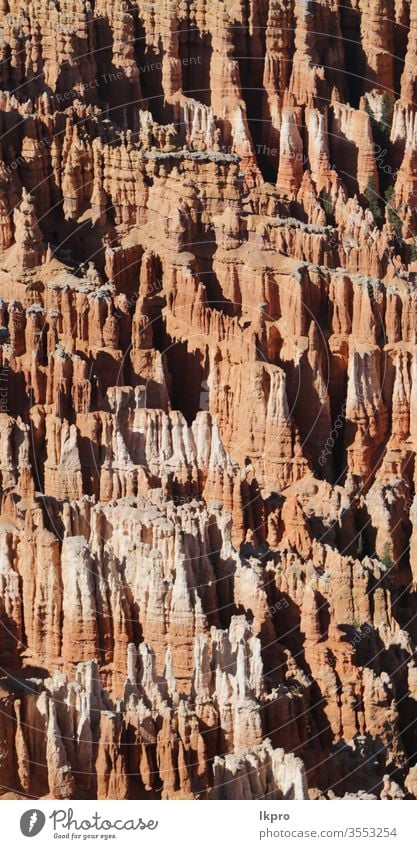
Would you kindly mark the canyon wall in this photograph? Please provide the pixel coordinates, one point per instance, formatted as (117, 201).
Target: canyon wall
(208, 382)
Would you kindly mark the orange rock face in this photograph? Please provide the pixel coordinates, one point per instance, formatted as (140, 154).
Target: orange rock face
(208, 399)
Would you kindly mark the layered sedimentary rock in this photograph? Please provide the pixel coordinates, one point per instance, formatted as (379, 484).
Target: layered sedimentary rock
(208, 390)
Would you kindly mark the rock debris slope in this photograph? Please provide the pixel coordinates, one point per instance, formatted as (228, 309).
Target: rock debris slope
(208, 392)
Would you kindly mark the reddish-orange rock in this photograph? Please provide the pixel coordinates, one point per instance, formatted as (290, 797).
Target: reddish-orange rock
(208, 388)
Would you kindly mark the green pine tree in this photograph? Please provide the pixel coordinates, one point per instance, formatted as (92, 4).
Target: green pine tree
(327, 205)
(387, 112)
(372, 198)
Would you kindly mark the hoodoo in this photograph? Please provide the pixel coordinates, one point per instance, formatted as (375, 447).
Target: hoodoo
(208, 392)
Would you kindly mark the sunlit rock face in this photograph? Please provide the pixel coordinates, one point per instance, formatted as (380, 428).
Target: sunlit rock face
(208, 399)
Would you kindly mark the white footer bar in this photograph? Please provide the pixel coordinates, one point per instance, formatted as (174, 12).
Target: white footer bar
(212, 825)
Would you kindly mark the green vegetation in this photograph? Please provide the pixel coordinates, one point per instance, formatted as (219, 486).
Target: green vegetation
(386, 558)
(327, 205)
(392, 215)
(296, 690)
(388, 195)
(372, 198)
(413, 250)
(387, 112)
(381, 131)
(382, 125)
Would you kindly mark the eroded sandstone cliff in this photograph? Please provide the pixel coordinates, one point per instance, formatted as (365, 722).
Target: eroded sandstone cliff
(208, 382)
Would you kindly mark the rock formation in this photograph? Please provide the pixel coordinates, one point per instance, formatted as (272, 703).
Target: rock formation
(208, 383)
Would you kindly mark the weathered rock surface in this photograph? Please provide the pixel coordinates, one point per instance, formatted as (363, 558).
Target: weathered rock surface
(208, 394)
